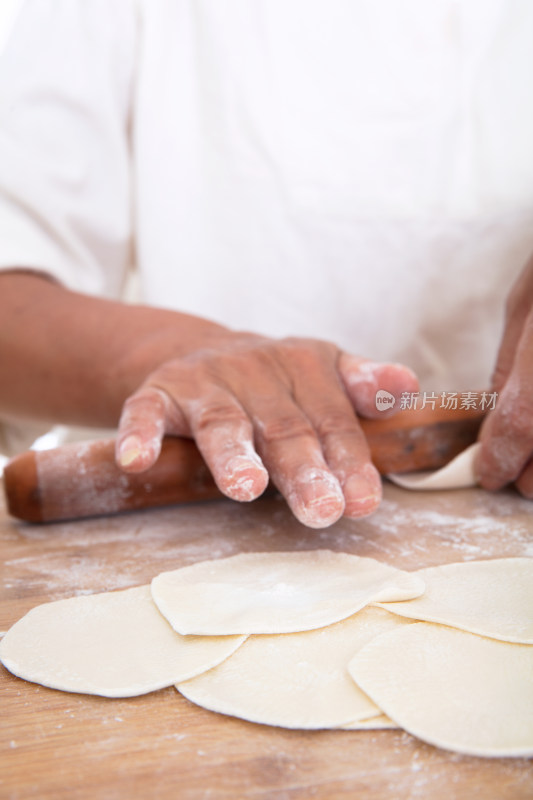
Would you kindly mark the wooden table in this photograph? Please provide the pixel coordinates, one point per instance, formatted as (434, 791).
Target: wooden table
(58, 745)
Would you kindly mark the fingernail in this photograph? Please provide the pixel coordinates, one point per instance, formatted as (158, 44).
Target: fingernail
(246, 479)
(363, 492)
(129, 451)
(318, 499)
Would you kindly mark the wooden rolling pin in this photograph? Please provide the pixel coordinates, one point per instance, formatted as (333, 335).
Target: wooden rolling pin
(82, 480)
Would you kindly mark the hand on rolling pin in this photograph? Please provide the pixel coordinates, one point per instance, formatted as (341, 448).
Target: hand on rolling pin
(259, 409)
(507, 435)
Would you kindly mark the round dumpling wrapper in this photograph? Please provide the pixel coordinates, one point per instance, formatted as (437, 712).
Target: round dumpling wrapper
(493, 598)
(296, 680)
(114, 644)
(276, 592)
(452, 689)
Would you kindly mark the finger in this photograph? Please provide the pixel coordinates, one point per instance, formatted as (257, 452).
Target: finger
(224, 436)
(516, 312)
(291, 452)
(342, 442)
(507, 435)
(506, 353)
(346, 453)
(507, 440)
(141, 429)
(524, 484)
(364, 379)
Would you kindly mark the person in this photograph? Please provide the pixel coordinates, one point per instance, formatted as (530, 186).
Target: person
(296, 183)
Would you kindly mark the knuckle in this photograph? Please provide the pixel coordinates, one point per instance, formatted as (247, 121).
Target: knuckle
(282, 428)
(213, 414)
(137, 405)
(307, 350)
(262, 360)
(154, 407)
(516, 419)
(239, 369)
(334, 421)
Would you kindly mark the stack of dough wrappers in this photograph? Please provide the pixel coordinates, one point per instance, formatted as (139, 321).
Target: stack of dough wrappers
(308, 640)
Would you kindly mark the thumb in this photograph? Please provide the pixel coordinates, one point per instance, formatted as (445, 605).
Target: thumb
(517, 310)
(364, 379)
(507, 351)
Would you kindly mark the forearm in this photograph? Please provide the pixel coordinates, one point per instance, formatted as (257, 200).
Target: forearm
(258, 408)
(70, 358)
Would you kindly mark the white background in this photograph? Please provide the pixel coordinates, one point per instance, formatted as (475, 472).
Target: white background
(7, 13)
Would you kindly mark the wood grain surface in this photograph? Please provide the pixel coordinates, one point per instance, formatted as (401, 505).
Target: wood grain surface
(58, 745)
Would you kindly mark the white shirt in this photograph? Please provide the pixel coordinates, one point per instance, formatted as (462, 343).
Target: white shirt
(352, 170)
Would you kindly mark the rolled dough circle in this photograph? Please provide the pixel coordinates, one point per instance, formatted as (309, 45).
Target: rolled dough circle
(452, 689)
(493, 598)
(114, 644)
(296, 680)
(276, 592)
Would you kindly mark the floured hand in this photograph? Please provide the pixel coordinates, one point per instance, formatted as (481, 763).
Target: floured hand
(506, 455)
(260, 408)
